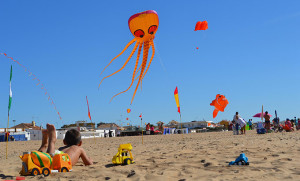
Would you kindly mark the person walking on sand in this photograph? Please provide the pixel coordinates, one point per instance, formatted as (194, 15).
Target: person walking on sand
(236, 116)
(250, 124)
(267, 121)
(236, 124)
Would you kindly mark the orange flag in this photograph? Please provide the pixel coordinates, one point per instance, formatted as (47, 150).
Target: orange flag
(88, 108)
(177, 99)
(128, 110)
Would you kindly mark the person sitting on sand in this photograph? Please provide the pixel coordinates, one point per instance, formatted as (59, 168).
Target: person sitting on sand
(288, 126)
(152, 130)
(72, 141)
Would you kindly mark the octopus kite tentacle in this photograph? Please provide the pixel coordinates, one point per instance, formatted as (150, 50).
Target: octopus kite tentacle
(144, 63)
(134, 71)
(134, 49)
(130, 43)
(153, 52)
(137, 77)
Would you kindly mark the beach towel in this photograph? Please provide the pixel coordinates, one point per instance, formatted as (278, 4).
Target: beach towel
(241, 122)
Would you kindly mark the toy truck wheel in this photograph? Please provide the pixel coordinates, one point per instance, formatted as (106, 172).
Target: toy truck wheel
(35, 172)
(46, 172)
(64, 169)
(127, 161)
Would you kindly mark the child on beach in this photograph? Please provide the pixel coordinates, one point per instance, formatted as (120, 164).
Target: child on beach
(72, 141)
(235, 128)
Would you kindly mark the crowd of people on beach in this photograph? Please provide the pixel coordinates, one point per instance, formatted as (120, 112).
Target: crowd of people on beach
(239, 124)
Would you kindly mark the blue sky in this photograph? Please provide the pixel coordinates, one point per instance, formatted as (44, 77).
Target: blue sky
(250, 53)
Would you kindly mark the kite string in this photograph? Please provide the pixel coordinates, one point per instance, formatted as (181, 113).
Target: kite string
(162, 65)
(35, 78)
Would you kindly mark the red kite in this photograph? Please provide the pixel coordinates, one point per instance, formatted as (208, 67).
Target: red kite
(201, 25)
(220, 104)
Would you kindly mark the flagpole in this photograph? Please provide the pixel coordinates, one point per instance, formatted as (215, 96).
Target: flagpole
(94, 131)
(9, 105)
(142, 130)
(7, 135)
(181, 126)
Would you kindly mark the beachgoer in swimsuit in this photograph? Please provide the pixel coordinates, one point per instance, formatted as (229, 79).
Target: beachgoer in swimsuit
(72, 141)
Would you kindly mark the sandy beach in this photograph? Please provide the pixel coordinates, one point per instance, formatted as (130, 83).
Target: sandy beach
(199, 156)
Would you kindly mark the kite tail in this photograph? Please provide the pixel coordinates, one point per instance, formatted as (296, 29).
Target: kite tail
(144, 63)
(215, 113)
(39, 84)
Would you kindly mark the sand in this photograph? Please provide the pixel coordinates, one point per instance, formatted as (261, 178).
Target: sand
(198, 156)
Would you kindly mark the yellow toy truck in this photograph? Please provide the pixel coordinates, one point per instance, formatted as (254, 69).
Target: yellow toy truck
(36, 163)
(124, 156)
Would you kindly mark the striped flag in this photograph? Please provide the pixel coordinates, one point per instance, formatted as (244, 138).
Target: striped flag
(88, 108)
(177, 99)
(10, 92)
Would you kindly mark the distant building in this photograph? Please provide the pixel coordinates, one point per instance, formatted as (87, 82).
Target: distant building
(80, 125)
(173, 124)
(197, 124)
(108, 126)
(25, 126)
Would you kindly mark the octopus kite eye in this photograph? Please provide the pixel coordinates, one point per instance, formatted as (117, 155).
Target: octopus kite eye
(152, 29)
(139, 33)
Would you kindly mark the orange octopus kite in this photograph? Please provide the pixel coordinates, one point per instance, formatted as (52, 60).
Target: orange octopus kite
(143, 26)
(220, 104)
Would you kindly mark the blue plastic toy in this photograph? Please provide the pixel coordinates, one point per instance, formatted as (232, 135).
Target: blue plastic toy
(241, 160)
